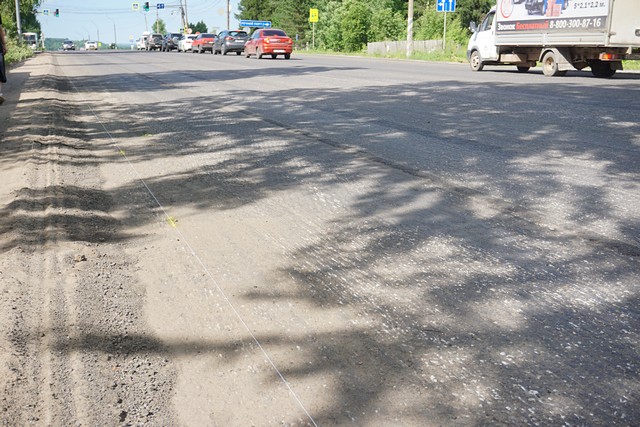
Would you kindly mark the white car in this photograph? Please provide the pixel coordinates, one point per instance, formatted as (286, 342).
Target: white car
(141, 43)
(91, 45)
(68, 45)
(184, 45)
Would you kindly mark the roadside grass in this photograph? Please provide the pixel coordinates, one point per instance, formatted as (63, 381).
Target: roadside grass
(16, 52)
(454, 54)
(631, 65)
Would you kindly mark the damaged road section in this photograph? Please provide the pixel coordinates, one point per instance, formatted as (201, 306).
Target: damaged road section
(73, 345)
(381, 246)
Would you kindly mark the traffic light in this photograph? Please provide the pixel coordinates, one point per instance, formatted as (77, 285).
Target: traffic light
(56, 13)
(146, 6)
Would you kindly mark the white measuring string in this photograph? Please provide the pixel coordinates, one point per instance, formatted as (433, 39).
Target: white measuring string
(185, 241)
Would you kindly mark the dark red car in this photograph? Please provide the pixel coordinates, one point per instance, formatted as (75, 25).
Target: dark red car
(269, 42)
(203, 42)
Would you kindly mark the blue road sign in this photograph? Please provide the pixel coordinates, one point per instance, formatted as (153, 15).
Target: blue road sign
(446, 6)
(160, 5)
(255, 24)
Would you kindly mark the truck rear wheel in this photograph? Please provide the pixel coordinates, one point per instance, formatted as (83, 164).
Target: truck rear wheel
(601, 69)
(550, 65)
(475, 61)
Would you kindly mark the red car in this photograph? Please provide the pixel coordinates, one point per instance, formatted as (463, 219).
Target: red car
(203, 42)
(269, 42)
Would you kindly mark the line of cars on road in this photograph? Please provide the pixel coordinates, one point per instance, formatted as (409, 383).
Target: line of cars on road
(262, 42)
(68, 44)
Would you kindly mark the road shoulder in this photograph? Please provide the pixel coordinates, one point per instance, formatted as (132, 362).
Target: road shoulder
(76, 349)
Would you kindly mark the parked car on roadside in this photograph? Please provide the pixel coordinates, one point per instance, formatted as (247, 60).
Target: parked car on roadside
(141, 43)
(154, 42)
(90, 45)
(170, 42)
(230, 41)
(68, 45)
(269, 42)
(184, 44)
(203, 42)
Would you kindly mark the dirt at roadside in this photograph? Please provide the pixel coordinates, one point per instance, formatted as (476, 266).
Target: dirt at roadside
(74, 348)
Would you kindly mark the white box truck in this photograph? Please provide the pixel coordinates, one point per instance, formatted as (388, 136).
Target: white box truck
(561, 34)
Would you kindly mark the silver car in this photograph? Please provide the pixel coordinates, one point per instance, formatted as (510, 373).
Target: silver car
(230, 41)
(68, 45)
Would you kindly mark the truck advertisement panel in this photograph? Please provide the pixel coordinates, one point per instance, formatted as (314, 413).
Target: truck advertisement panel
(516, 16)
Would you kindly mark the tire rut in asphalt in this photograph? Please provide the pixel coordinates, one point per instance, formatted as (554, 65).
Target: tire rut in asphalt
(75, 345)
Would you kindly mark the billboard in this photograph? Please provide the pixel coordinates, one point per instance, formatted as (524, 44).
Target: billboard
(551, 15)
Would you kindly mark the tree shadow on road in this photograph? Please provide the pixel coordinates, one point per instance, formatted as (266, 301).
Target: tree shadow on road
(478, 300)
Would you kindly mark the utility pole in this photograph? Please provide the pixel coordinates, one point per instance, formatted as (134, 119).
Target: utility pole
(18, 19)
(182, 20)
(410, 30)
(186, 13)
(444, 35)
(115, 35)
(228, 14)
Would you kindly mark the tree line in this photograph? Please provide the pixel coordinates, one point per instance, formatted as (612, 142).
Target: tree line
(28, 20)
(348, 25)
(29, 24)
(343, 25)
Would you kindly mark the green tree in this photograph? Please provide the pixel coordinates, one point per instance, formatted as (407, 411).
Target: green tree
(261, 10)
(387, 24)
(200, 27)
(347, 25)
(355, 25)
(457, 32)
(328, 29)
(159, 27)
(430, 25)
(420, 7)
(472, 10)
(28, 20)
(293, 17)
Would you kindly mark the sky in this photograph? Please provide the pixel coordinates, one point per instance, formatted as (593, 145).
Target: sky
(84, 19)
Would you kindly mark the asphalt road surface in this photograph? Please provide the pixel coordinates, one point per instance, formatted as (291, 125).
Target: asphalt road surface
(214, 240)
